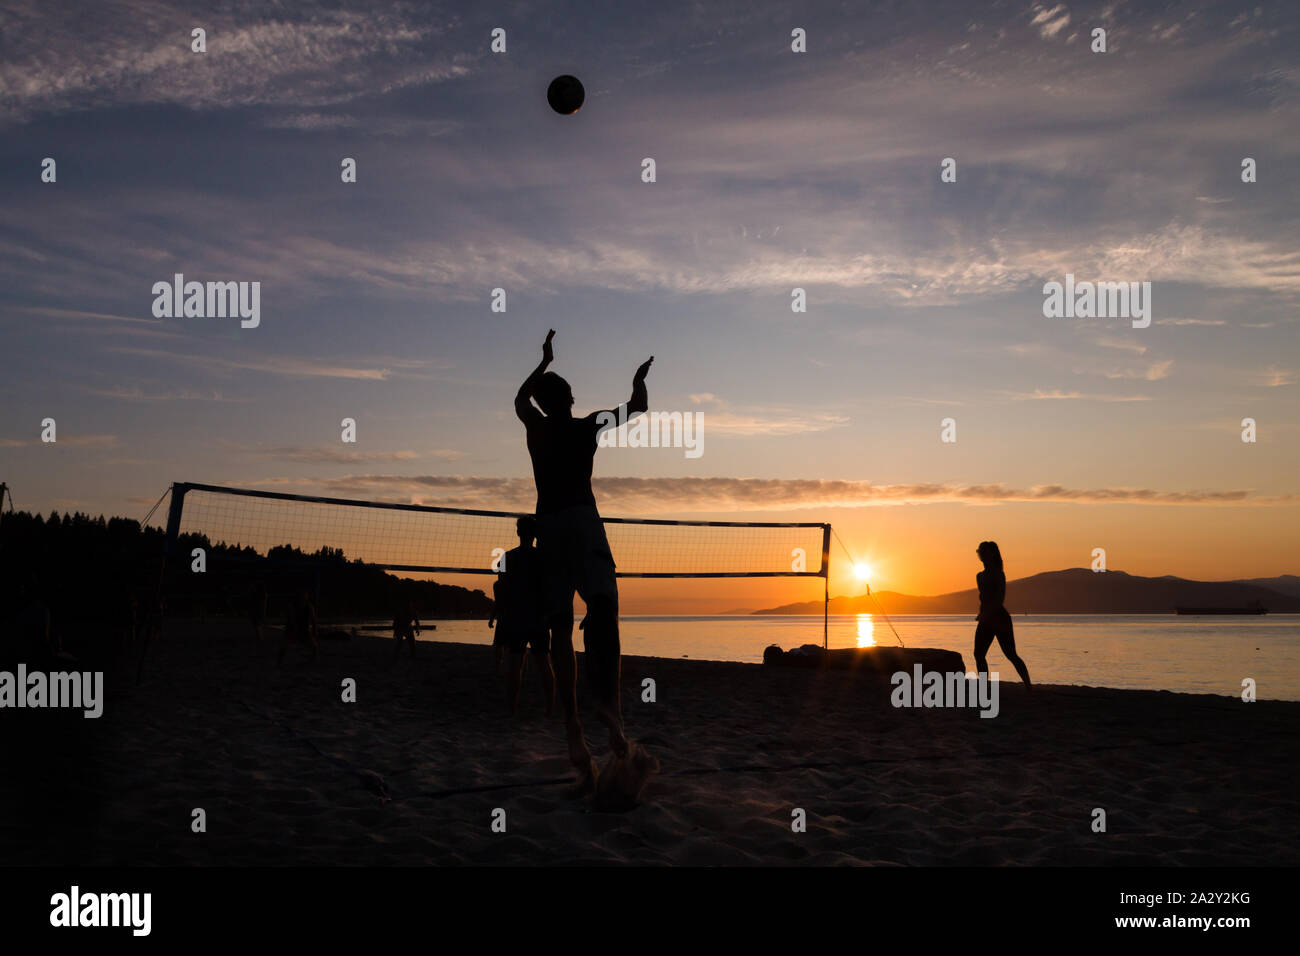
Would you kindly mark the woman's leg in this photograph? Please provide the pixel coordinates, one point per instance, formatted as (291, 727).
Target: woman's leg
(1007, 641)
(983, 641)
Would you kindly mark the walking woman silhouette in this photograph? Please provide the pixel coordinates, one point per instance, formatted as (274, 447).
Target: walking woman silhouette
(994, 620)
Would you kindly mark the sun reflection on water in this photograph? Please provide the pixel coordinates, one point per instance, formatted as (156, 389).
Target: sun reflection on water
(866, 631)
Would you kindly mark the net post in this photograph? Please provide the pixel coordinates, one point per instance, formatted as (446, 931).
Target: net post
(155, 612)
(826, 579)
(174, 508)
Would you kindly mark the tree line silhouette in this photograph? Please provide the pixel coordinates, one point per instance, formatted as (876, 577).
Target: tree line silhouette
(88, 569)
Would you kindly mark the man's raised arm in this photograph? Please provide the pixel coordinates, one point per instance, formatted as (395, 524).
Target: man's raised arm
(640, 401)
(637, 404)
(523, 398)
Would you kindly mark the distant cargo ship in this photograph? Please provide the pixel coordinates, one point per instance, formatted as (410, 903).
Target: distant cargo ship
(1221, 610)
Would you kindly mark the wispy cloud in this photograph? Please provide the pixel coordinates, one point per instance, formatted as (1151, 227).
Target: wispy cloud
(1153, 372)
(78, 322)
(684, 495)
(913, 400)
(719, 416)
(1275, 377)
(401, 127)
(1057, 395)
(54, 313)
(63, 441)
(319, 454)
(730, 423)
(1126, 345)
(288, 366)
(142, 55)
(132, 393)
(1050, 21)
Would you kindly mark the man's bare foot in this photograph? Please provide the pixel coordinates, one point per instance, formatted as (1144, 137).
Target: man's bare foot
(617, 742)
(620, 782)
(579, 755)
(587, 777)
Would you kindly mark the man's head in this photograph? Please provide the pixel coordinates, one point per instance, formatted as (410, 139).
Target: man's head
(527, 528)
(553, 394)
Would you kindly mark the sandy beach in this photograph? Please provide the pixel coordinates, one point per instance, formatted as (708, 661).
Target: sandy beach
(411, 773)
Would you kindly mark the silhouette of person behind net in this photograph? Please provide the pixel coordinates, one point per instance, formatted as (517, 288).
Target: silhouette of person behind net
(406, 625)
(521, 615)
(300, 625)
(257, 604)
(994, 619)
(574, 550)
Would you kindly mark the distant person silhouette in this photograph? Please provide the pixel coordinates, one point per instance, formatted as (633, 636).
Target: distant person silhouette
(406, 624)
(498, 635)
(257, 601)
(574, 550)
(28, 633)
(300, 624)
(521, 614)
(151, 630)
(130, 619)
(994, 620)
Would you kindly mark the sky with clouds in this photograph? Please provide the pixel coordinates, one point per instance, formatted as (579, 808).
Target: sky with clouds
(775, 170)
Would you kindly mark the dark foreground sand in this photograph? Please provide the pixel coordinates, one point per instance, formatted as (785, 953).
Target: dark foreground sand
(287, 773)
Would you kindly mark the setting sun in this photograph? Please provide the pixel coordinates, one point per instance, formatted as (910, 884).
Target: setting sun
(862, 570)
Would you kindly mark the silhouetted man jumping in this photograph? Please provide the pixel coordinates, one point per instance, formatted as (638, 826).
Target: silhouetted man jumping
(575, 552)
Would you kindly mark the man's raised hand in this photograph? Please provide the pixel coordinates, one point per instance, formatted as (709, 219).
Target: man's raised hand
(641, 372)
(548, 353)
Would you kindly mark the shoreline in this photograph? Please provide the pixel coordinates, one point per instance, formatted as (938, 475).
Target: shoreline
(1128, 652)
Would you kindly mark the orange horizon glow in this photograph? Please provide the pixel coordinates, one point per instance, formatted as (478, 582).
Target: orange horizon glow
(930, 551)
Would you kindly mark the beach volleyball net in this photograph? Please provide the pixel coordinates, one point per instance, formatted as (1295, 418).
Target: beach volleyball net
(241, 522)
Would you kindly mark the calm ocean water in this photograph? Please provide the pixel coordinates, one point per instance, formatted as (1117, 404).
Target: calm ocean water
(1154, 652)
